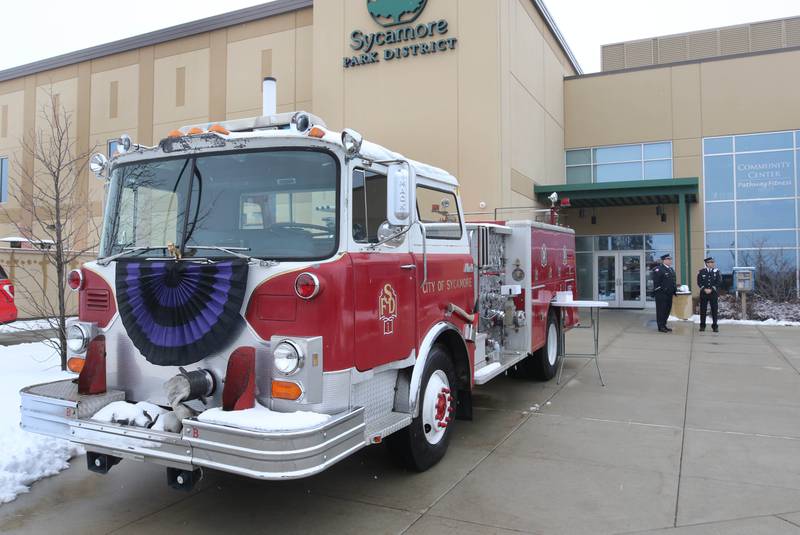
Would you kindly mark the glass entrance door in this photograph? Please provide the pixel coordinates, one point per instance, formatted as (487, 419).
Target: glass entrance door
(606, 276)
(632, 281)
(620, 279)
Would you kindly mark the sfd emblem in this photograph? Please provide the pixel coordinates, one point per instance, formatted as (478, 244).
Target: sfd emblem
(387, 308)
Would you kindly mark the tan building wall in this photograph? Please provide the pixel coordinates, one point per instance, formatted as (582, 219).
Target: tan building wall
(491, 116)
(490, 110)
(683, 103)
(35, 283)
(146, 93)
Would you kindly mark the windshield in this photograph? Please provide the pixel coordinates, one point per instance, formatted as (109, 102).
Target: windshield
(275, 204)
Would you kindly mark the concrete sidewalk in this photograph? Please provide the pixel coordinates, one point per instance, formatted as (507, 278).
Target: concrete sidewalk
(695, 433)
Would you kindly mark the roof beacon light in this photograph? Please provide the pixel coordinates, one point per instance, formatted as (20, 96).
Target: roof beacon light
(218, 129)
(302, 122)
(316, 132)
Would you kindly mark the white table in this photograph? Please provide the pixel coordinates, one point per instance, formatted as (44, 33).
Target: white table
(594, 317)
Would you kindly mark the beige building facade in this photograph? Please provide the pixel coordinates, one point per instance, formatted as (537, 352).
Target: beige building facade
(729, 118)
(487, 90)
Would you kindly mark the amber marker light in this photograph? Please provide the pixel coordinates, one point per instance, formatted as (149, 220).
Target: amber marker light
(316, 132)
(175, 133)
(194, 130)
(218, 129)
(286, 390)
(75, 364)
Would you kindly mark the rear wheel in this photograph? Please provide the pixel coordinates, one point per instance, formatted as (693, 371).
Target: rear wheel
(543, 364)
(424, 442)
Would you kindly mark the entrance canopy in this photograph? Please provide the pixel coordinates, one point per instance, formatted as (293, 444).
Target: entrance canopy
(680, 191)
(629, 193)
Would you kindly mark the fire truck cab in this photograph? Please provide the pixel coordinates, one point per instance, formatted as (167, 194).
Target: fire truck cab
(272, 296)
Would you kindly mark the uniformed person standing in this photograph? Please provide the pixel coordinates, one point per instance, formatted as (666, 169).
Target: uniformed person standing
(664, 287)
(709, 279)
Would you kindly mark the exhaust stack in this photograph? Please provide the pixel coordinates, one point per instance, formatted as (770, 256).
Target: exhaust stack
(269, 96)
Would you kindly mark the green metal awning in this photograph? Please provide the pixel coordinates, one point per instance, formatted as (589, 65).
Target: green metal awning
(666, 191)
(680, 191)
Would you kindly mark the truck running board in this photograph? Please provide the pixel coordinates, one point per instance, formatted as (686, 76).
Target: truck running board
(383, 427)
(488, 372)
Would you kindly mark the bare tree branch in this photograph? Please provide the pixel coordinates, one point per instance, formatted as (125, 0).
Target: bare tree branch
(55, 210)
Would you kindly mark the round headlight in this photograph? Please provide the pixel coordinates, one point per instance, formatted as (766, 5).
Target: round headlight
(287, 357)
(77, 338)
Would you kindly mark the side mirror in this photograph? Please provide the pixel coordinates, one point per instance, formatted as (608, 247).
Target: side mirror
(390, 235)
(400, 202)
(351, 141)
(98, 163)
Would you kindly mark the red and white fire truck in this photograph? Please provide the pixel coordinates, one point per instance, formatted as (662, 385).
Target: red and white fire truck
(272, 296)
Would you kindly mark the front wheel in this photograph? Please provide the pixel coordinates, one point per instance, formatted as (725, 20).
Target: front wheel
(424, 442)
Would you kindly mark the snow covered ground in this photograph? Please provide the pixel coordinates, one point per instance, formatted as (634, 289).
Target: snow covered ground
(765, 323)
(26, 457)
(25, 325)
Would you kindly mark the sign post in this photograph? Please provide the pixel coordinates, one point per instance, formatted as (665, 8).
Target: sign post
(744, 282)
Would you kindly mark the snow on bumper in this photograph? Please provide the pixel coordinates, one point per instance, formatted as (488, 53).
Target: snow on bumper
(56, 409)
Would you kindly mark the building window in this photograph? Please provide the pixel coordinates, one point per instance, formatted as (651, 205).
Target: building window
(3, 179)
(751, 202)
(619, 163)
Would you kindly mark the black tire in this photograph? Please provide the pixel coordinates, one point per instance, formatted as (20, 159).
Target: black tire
(411, 446)
(542, 364)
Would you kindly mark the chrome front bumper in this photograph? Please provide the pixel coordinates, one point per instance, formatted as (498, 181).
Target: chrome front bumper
(56, 409)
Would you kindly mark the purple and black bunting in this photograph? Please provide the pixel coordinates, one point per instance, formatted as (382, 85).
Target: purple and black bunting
(177, 312)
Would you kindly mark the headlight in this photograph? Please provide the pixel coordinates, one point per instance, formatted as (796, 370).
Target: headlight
(288, 357)
(77, 338)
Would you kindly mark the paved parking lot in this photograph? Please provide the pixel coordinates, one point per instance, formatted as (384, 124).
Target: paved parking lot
(695, 430)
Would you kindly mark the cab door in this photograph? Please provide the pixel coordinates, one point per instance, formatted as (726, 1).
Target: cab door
(384, 277)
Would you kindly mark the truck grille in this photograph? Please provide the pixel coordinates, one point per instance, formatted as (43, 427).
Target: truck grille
(97, 299)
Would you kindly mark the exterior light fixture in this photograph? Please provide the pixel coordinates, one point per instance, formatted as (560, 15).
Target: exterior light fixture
(124, 144)
(663, 217)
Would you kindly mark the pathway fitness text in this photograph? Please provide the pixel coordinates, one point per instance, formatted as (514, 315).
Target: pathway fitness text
(365, 43)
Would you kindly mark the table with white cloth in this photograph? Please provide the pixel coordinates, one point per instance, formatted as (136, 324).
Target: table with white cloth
(594, 319)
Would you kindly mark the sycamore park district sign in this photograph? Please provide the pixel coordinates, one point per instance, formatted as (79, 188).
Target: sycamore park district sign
(403, 37)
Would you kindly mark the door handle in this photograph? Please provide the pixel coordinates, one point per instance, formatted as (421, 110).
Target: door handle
(408, 266)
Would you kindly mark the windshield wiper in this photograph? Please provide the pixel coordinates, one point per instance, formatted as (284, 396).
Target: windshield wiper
(229, 250)
(126, 251)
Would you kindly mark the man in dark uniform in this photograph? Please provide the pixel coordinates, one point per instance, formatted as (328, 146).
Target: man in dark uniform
(709, 279)
(664, 287)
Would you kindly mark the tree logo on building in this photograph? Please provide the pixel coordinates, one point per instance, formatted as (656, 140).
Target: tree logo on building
(393, 12)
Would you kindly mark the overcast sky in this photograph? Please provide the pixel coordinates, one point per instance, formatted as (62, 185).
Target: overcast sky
(38, 29)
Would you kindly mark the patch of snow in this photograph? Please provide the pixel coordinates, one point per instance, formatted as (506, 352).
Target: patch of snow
(27, 457)
(487, 370)
(26, 325)
(260, 418)
(767, 322)
(142, 414)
